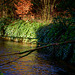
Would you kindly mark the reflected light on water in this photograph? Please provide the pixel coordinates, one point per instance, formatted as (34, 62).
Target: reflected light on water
(33, 64)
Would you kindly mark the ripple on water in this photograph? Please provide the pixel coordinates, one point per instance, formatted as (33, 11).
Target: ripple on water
(33, 64)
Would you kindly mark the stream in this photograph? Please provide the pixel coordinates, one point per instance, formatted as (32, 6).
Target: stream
(33, 64)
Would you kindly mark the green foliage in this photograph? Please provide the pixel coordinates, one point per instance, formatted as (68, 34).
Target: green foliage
(20, 28)
(65, 4)
(62, 29)
(4, 22)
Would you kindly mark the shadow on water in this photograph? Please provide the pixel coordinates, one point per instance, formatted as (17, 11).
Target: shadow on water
(51, 34)
(33, 64)
(36, 63)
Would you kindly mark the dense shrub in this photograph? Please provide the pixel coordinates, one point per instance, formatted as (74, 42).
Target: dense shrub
(20, 28)
(4, 22)
(61, 30)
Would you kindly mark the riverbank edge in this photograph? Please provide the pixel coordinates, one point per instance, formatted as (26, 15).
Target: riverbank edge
(45, 34)
(18, 39)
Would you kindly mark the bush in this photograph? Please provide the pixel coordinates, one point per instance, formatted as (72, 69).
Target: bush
(62, 29)
(20, 28)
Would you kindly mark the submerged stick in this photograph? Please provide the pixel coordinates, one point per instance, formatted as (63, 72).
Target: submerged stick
(32, 50)
(51, 44)
(16, 59)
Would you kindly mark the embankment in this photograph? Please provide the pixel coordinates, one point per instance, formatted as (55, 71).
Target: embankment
(60, 30)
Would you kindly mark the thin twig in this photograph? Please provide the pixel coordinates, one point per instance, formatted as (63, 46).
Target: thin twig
(16, 59)
(31, 50)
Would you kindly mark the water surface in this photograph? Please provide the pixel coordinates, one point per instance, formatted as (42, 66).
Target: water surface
(33, 64)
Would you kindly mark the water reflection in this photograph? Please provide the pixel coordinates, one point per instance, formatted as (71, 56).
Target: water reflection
(32, 64)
